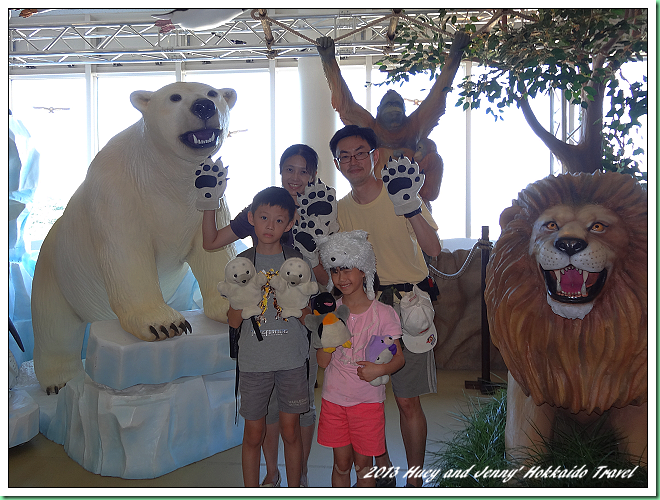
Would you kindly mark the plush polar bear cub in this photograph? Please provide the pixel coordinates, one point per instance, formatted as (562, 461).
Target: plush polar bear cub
(293, 287)
(123, 241)
(242, 286)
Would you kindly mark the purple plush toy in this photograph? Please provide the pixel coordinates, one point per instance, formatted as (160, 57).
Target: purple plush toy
(380, 349)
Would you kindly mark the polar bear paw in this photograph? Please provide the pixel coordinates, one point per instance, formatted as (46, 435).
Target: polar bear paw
(403, 181)
(211, 182)
(157, 323)
(318, 217)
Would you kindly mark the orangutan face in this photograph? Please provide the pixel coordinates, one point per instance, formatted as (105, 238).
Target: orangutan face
(391, 110)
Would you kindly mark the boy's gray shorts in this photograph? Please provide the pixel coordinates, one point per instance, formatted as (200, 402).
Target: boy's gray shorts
(256, 387)
(418, 375)
(309, 417)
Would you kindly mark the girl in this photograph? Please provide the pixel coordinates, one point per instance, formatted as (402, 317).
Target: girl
(352, 419)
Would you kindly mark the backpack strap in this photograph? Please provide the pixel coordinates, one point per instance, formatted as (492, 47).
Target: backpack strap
(236, 393)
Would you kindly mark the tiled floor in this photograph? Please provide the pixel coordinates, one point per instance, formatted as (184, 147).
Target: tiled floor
(40, 463)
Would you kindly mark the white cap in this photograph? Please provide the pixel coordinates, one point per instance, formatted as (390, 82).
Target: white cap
(417, 312)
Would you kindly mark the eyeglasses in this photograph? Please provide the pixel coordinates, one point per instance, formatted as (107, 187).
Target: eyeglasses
(358, 156)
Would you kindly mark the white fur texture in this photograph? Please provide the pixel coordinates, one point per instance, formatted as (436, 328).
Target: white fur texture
(242, 286)
(122, 244)
(293, 287)
(349, 249)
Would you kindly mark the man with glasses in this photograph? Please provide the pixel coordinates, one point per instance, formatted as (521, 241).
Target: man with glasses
(399, 232)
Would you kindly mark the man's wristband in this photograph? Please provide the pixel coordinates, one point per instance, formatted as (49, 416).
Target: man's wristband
(413, 213)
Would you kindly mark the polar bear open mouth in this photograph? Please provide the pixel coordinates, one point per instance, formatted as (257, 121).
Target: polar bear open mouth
(572, 285)
(203, 138)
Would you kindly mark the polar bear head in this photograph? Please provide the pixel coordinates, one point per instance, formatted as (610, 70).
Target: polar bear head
(349, 249)
(189, 119)
(295, 271)
(239, 271)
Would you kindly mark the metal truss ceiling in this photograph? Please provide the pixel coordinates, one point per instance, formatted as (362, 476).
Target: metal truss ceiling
(43, 40)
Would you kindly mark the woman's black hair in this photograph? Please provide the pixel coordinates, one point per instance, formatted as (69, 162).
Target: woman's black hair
(310, 156)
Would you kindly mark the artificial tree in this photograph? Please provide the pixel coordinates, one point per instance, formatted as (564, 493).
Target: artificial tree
(532, 51)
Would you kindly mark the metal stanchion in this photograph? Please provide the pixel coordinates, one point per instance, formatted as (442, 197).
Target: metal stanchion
(484, 383)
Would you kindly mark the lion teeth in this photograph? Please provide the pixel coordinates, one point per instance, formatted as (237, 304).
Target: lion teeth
(583, 291)
(558, 274)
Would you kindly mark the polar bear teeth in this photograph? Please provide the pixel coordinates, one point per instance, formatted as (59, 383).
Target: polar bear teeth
(201, 138)
(199, 141)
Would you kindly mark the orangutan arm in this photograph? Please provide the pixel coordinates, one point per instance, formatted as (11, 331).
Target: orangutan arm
(433, 107)
(350, 112)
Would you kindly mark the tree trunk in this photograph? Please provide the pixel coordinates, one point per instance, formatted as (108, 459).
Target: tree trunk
(586, 156)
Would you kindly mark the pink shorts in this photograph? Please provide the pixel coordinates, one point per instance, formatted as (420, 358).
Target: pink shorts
(362, 426)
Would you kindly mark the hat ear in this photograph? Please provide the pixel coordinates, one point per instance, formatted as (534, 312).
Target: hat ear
(320, 240)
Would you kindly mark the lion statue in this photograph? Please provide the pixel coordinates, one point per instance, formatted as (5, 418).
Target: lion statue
(566, 293)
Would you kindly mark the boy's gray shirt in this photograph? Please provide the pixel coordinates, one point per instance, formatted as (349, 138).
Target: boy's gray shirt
(284, 345)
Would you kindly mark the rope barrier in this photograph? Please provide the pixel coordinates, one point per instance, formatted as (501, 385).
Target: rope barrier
(481, 244)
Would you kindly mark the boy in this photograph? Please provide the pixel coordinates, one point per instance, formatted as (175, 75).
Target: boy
(276, 354)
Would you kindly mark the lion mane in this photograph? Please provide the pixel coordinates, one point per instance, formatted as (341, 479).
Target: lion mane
(588, 364)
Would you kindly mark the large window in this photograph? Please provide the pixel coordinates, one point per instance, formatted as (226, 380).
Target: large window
(246, 152)
(53, 110)
(115, 111)
(480, 179)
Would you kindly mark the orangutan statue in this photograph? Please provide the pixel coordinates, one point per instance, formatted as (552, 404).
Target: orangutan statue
(398, 134)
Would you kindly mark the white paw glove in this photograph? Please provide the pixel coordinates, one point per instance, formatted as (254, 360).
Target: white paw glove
(211, 182)
(403, 181)
(318, 217)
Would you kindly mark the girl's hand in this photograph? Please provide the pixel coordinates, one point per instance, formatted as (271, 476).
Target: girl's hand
(368, 371)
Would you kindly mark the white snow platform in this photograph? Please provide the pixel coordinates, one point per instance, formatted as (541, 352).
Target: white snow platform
(145, 431)
(119, 360)
(23, 417)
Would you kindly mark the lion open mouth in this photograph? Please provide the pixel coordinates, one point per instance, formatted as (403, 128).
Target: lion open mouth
(572, 285)
(204, 138)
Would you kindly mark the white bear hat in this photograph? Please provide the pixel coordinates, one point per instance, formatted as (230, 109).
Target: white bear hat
(350, 249)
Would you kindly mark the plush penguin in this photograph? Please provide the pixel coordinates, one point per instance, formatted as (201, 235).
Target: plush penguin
(329, 322)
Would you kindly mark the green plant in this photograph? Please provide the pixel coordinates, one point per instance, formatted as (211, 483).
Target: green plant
(593, 447)
(583, 453)
(480, 444)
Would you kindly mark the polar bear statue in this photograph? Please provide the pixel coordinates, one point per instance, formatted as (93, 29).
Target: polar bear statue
(123, 241)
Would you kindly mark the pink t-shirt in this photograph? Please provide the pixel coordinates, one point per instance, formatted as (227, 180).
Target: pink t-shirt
(341, 384)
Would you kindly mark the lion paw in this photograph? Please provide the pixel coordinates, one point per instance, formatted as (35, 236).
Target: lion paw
(211, 182)
(403, 181)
